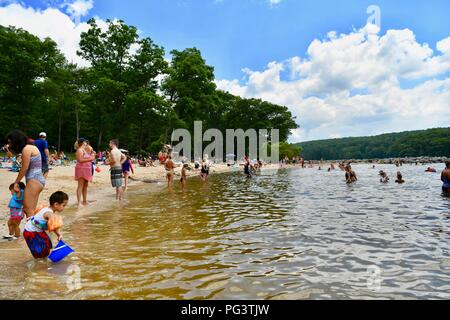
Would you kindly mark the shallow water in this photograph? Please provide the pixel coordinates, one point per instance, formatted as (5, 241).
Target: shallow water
(286, 234)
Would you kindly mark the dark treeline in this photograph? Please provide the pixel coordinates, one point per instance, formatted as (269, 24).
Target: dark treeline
(129, 92)
(433, 143)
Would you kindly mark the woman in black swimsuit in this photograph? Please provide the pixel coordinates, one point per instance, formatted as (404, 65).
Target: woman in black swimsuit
(350, 175)
(205, 169)
(247, 168)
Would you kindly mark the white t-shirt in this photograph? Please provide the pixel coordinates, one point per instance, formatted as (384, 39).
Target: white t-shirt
(37, 223)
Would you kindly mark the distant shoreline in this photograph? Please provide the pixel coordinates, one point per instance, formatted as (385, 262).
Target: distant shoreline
(404, 160)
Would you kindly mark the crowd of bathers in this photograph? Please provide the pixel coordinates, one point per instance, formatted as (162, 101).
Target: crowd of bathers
(34, 169)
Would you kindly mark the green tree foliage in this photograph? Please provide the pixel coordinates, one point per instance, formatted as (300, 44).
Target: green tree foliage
(129, 91)
(189, 85)
(122, 80)
(25, 63)
(433, 142)
(288, 150)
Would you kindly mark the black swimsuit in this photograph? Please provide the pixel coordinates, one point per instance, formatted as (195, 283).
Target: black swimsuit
(247, 169)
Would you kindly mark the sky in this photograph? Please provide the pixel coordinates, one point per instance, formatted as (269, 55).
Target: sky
(341, 70)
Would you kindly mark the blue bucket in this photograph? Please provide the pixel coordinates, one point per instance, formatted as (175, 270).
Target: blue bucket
(61, 251)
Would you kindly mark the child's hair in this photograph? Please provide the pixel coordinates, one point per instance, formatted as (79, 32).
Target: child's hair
(21, 186)
(185, 166)
(58, 197)
(115, 142)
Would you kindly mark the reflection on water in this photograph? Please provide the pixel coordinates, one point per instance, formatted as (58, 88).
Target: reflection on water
(287, 234)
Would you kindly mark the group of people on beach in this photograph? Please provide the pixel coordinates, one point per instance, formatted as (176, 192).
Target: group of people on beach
(35, 169)
(25, 197)
(120, 168)
(203, 166)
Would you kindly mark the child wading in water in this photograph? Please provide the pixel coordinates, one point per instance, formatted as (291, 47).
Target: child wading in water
(184, 175)
(46, 219)
(15, 210)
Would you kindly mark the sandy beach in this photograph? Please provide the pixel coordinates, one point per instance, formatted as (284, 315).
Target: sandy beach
(102, 195)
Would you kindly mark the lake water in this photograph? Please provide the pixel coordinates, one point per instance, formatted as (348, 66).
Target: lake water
(286, 234)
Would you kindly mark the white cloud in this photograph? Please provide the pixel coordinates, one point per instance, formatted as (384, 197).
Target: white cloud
(51, 23)
(78, 8)
(351, 84)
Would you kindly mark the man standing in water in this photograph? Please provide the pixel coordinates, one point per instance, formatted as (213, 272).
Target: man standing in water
(115, 161)
(445, 177)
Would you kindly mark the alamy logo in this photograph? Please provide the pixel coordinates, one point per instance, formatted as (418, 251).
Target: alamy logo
(259, 143)
(375, 15)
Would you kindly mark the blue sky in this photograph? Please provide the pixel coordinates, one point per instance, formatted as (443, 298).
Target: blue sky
(236, 34)
(337, 74)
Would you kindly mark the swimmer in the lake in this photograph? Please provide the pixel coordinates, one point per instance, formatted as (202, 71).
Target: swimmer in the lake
(384, 177)
(247, 167)
(399, 178)
(183, 179)
(350, 175)
(445, 177)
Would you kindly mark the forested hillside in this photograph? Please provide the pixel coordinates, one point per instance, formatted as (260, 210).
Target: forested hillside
(433, 142)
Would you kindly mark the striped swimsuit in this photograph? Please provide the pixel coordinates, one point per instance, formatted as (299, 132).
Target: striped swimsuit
(35, 170)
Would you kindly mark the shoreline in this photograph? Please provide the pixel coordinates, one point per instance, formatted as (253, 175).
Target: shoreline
(101, 195)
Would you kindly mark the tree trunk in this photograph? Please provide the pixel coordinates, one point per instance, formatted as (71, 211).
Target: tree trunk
(77, 117)
(100, 134)
(165, 135)
(60, 126)
(59, 131)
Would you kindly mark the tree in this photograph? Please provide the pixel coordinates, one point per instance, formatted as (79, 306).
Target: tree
(189, 85)
(432, 142)
(25, 62)
(63, 97)
(122, 64)
(129, 91)
(289, 150)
